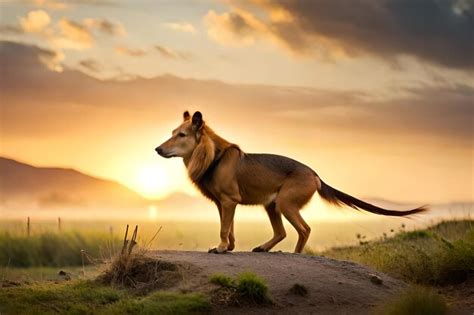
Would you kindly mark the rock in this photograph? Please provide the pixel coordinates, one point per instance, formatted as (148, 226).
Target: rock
(64, 275)
(375, 279)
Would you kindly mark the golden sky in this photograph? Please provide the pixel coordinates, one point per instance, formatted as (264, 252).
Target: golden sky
(377, 100)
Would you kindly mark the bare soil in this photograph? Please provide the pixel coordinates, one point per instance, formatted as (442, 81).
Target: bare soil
(333, 287)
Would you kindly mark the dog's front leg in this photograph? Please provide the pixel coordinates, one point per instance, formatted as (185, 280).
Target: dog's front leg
(227, 217)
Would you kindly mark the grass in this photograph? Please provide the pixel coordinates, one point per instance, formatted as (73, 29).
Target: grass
(222, 280)
(252, 287)
(87, 297)
(52, 249)
(247, 287)
(161, 303)
(442, 254)
(416, 300)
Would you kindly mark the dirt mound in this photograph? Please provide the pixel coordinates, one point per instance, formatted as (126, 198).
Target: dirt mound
(323, 284)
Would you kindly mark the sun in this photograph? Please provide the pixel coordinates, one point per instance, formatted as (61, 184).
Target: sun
(151, 181)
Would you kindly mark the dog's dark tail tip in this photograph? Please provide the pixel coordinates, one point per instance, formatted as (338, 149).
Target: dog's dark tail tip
(338, 198)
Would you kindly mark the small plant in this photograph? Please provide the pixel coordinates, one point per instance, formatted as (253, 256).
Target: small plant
(416, 300)
(252, 287)
(222, 280)
(248, 287)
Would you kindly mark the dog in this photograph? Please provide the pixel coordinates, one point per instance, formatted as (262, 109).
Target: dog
(228, 176)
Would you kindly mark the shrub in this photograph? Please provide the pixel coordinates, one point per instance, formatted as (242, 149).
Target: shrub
(440, 255)
(416, 300)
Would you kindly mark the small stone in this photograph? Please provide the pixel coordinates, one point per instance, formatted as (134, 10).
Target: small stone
(375, 279)
(64, 275)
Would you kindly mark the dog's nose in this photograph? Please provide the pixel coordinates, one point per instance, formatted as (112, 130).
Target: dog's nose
(159, 150)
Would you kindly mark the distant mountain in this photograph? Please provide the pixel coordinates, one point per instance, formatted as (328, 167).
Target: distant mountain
(60, 187)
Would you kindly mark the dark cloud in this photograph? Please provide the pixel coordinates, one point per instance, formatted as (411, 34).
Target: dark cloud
(439, 32)
(442, 114)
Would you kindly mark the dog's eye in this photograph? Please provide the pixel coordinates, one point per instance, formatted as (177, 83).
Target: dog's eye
(181, 134)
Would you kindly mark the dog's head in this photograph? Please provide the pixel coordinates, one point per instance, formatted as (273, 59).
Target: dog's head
(184, 138)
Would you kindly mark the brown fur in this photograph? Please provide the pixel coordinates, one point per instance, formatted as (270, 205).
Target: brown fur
(228, 176)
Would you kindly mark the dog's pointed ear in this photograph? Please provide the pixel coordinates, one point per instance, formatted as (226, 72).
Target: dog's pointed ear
(197, 121)
(186, 116)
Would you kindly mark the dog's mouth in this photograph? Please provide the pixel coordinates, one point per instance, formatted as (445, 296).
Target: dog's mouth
(166, 154)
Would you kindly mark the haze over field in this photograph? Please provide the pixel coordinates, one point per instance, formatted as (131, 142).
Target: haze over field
(376, 100)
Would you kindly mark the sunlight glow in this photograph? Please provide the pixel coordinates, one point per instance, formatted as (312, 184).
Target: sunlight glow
(153, 212)
(151, 181)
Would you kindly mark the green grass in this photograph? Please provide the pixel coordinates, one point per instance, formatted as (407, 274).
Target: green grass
(87, 297)
(416, 300)
(252, 287)
(438, 255)
(53, 249)
(222, 280)
(161, 303)
(247, 287)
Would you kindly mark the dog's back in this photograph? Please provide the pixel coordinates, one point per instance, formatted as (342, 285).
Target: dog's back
(260, 176)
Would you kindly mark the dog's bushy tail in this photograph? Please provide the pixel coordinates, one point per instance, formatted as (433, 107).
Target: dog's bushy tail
(338, 198)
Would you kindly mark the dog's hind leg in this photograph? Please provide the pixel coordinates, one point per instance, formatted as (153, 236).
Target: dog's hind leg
(293, 195)
(303, 229)
(278, 229)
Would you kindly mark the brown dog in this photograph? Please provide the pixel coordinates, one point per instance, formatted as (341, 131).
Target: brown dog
(228, 176)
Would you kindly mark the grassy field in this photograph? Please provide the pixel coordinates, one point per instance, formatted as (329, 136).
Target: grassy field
(439, 255)
(442, 254)
(89, 297)
(51, 249)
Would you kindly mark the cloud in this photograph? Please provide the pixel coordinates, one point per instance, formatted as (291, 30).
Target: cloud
(35, 21)
(50, 4)
(73, 35)
(169, 53)
(11, 30)
(91, 65)
(105, 26)
(431, 111)
(52, 60)
(184, 27)
(239, 28)
(63, 5)
(133, 52)
(438, 32)
(66, 33)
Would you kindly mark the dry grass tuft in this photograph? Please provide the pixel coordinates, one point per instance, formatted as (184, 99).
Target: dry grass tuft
(132, 268)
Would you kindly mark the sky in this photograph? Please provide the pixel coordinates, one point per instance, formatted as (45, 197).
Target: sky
(376, 97)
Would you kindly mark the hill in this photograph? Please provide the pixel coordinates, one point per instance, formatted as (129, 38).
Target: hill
(23, 184)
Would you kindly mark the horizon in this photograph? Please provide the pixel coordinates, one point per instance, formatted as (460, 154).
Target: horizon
(179, 193)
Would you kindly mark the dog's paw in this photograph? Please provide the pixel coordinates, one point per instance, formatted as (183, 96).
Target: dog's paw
(215, 250)
(259, 250)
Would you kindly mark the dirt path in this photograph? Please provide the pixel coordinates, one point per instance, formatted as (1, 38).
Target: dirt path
(335, 287)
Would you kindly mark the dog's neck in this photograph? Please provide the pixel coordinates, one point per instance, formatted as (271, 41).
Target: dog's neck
(209, 149)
